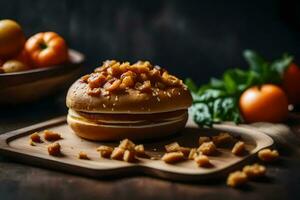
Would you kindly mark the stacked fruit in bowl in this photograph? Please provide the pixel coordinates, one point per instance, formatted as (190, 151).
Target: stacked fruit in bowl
(41, 50)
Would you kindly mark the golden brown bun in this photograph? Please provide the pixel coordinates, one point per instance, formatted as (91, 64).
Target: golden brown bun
(100, 132)
(130, 102)
(123, 100)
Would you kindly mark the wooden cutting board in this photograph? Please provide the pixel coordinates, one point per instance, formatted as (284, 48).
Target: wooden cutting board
(16, 145)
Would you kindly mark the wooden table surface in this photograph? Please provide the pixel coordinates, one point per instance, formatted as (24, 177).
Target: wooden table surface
(19, 181)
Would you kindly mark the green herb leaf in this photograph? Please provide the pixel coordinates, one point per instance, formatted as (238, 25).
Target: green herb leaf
(280, 65)
(254, 60)
(201, 114)
(191, 85)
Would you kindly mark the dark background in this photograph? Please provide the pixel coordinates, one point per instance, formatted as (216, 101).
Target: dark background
(197, 39)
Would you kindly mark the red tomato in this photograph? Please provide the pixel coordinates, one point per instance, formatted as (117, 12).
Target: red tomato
(291, 84)
(47, 49)
(267, 103)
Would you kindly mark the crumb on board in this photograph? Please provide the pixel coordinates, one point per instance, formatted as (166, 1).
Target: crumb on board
(254, 171)
(127, 144)
(117, 153)
(175, 147)
(202, 161)
(105, 151)
(172, 147)
(239, 148)
(193, 153)
(207, 148)
(140, 151)
(129, 156)
(223, 139)
(83, 155)
(35, 137)
(236, 179)
(54, 149)
(173, 157)
(268, 155)
(51, 135)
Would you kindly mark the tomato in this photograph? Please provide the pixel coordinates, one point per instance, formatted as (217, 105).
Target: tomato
(13, 66)
(12, 38)
(47, 49)
(267, 103)
(291, 84)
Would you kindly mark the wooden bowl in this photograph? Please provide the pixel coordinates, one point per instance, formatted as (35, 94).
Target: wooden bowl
(31, 85)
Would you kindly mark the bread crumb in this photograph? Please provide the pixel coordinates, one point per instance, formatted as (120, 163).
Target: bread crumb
(193, 153)
(202, 161)
(127, 144)
(236, 179)
(82, 155)
(173, 157)
(140, 151)
(129, 156)
(54, 149)
(239, 148)
(105, 151)
(35, 137)
(51, 135)
(117, 153)
(255, 170)
(268, 155)
(207, 148)
(174, 146)
(223, 140)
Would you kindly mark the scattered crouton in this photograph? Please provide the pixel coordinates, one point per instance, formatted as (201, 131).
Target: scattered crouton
(140, 151)
(202, 161)
(105, 151)
(236, 179)
(173, 157)
(239, 148)
(127, 144)
(193, 153)
(254, 171)
(35, 137)
(207, 148)
(268, 155)
(82, 155)
(54, 149)
(51, 135)
(223, 140)
(173, 147)
(117, 153)
(129, 156)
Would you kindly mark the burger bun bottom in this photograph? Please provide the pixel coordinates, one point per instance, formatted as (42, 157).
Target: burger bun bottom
(99, 132)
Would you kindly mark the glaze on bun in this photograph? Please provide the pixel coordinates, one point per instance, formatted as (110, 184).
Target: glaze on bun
(120, 100)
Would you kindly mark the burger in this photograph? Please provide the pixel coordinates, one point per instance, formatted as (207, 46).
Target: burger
(123, 100)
